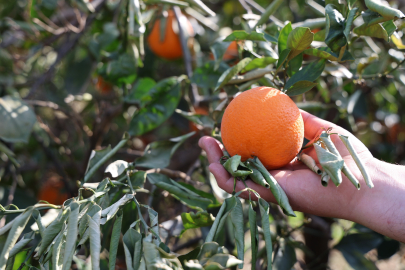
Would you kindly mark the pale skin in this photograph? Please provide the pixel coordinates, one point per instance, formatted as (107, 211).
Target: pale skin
(381, 208)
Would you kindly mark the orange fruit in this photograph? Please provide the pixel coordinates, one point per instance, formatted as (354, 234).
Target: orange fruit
(170, 46)
(263, 122)
(232, 51)
(103, 86)
(52, 191)
(200, 111)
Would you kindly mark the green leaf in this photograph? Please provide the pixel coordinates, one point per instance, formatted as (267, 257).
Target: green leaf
(229, 73)
(384, 9)
(238, 230)
(370, 17)
(227, 206)
(331, 163)
(349, 21)
(116, 168)
(282, 39)
(17, 120)
(196, 220)
(375, 30)
(243, 35)
(275, 187)
(98, 158)
(52, 231)
(270, 38)
(322, 52)
(140, 93)
(335, 26)
(298, 40)
(236, 168)
(58, 249)
(285, 257)
(264, 212)
(133, 248)
(320, 35)
(389, 27)
(38, 219)
(268, 12)
(115, 240)
(309, 73)
(295, 64)
(222, 261)
(218, 49)
(254, 236)
(138, 179)
(300, 87)
(26, 239)
(154, 225)
(165, 96)
(256, 176)
(15, 231)
(259, 63)
(158, 154)
(207, 250)
(157, 258)
(110, 211)
(95, 240)
(71, 235)
(120, 69)
(206, 76)
(283, 57)
(178, 191)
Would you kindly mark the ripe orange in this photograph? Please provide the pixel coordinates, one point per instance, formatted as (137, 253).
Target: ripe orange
(232, 51)
(103, 86)
(263, 122)
(170, 46)
(200, 111)
(52, 191)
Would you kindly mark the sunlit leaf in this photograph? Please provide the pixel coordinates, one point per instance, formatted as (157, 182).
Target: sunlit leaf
(335, 26)
(165, 97)
(243, 35)
(229, 73)
(17, 120)
(309, 73)
(259, 63)
(298, 40)
(196, 220)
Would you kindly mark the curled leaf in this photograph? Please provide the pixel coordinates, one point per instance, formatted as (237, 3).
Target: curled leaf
(383, 8)
(358, 161)
(257, 176)
(275, 187)
(331, 163)
(310, 162)
(325, 178)
(325, 138)
(236, 168)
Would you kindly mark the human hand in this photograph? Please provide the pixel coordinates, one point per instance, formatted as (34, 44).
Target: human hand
(305, 192)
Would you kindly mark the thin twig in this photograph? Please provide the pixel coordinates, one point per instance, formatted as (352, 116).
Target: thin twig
(251, 75)
(65, 48)
(186, 54)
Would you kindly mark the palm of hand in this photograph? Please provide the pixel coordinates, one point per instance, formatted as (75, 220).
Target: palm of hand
(301, 185)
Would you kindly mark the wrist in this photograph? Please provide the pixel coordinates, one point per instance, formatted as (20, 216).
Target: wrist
(382, 208)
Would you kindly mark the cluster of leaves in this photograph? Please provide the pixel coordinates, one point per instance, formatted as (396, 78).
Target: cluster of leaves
(113, 215)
